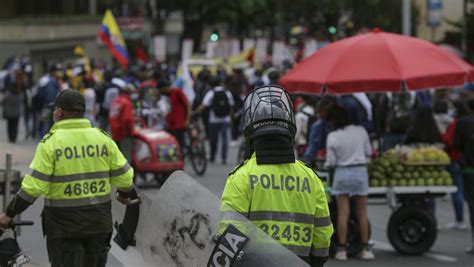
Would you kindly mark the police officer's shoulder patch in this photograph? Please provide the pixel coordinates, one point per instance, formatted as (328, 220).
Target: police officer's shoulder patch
(237, 167)
(47, 136)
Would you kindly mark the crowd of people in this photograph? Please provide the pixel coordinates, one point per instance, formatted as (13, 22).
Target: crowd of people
(335, 131)
(339, 138)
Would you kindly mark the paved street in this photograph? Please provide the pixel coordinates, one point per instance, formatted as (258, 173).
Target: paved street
(447, 251)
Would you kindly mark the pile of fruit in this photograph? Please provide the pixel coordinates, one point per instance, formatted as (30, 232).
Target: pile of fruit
(424, 155)
(395, 168)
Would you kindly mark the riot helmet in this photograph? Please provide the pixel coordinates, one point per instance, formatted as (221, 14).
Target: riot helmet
(268, 110)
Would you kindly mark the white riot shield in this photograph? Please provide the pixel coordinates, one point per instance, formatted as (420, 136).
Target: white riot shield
(180, 225)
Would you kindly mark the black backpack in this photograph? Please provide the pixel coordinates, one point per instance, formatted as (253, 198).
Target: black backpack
(220, 104)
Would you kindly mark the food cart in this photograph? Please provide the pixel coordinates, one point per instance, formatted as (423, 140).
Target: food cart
(412, 227)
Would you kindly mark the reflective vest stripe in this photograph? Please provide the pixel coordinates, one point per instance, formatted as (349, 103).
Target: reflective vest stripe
(299, 250)
(40, 176)
(269, 215)
(233, 215)
(85, 176)
(322, 222)
(27, 197)
(120, 171)
(320, 252)
(77, 202)
(79, 176)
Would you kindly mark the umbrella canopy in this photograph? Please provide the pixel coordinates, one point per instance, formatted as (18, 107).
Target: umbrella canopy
(376, 62)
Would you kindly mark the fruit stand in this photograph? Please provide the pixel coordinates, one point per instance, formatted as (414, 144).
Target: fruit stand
(407, 177)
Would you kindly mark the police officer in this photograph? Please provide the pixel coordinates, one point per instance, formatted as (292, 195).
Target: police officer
(279, 194)
(74, 168)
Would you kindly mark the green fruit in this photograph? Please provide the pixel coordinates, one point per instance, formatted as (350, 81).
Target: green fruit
(409, 168)
(445, 174)
(385, 163)
(399, 168)
(435, 174)
(374, 183)
(430, 181)
(420, 182)
(415, 174)
(396, 175)
(426, 174)
(407, 175)
(379, 169)
(402, 182)
(376, 174)
(392, 182)
(439, 181)
(448, 181)
(383, 182)
(412, 182)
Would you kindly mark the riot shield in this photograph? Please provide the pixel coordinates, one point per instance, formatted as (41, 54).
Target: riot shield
(180, 226)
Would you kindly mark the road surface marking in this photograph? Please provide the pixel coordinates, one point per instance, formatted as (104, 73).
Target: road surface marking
(439, 257)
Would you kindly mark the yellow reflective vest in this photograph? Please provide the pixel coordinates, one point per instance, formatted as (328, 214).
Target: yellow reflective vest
(287, 201)
(74, 166)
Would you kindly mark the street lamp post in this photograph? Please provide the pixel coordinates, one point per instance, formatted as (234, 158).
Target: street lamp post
(406, 17)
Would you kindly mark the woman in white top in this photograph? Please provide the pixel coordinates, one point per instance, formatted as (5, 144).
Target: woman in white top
(348, 148)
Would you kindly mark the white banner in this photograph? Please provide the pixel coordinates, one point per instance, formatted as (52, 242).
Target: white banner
(310, 46)
(187, 49)
(278, 53)
(159, 47)
(261, 50)
(234, 47)
(248, 43)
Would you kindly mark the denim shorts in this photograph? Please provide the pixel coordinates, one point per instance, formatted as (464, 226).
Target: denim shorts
(351, 180)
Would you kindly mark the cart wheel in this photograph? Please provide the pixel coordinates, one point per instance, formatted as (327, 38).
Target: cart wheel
(412, 230)
(198, 157)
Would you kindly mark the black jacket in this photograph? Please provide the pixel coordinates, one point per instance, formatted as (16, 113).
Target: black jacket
(463, 135)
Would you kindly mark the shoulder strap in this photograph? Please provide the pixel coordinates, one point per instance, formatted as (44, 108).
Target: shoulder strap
(47, 136)
(104, 132)
(238, 167)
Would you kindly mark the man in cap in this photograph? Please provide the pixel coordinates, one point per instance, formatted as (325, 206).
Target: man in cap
(73, 168)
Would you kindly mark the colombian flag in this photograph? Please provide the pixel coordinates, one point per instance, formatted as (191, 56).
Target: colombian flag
(110, 34)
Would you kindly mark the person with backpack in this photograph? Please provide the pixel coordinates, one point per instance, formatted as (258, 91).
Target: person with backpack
(221, 104)
(106, 93)
(48, 89)
(305, 117)
(319, 130)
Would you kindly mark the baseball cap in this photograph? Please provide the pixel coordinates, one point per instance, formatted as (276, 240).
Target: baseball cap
(70, 100)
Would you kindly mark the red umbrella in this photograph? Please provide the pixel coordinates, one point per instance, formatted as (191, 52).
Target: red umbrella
(375, 62)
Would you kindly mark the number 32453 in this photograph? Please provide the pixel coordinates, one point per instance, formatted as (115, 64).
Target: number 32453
(298, 233)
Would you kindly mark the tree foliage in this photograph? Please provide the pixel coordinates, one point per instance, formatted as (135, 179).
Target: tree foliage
(276, 17)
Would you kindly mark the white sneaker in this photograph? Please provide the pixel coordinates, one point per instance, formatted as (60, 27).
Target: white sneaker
(341, 255)
(366, 255)
(456, 226)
